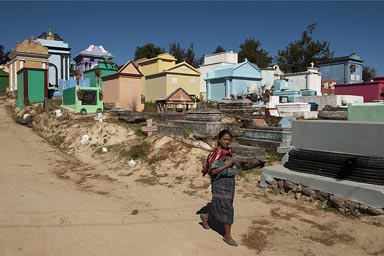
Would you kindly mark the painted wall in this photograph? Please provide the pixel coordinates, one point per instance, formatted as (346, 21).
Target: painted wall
(106, 69)
(4, 80)
(35, 85)
(155, 88)
(60, 53)
(190, 83)
(350, 137)
(345, 70)
(370, 91)
(20, 91)
(124, 92)
(372, 112)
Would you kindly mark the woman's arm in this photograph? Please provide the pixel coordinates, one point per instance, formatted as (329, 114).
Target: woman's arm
(228, 164)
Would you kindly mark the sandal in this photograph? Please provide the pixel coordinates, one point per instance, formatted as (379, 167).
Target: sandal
(231, 243)
(204, 222)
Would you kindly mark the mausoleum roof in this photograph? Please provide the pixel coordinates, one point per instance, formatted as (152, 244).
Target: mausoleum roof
(94, 50)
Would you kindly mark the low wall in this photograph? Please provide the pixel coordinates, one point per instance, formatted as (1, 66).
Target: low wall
(366, 112)
(202, 128)
(268, 133)
(351, 137)
(331, 100)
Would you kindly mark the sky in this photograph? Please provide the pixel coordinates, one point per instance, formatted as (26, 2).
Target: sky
(121, 26)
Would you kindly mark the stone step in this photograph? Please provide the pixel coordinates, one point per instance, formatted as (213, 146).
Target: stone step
(248, 151)
(265, 144)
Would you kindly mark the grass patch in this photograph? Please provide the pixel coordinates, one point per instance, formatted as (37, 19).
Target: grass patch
(136, 152)
(202, 159)
(154, 160)
(273, 157)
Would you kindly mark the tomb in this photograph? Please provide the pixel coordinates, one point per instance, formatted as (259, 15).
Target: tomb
(286, 91)
(212, 61)
(28, 55)
(179, 101)
(122, 90)
(233, 81)
(82, 99)
(89, 58)
(348, 162)
(59, 57)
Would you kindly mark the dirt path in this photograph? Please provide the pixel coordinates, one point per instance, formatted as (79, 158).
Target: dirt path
(42, 214)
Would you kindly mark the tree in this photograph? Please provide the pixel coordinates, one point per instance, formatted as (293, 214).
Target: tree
(3, 55)
(219, 49)
(369, 73)
(147, 51)
(187, 55)
(250, 50)
(177, 51)
(298, 55)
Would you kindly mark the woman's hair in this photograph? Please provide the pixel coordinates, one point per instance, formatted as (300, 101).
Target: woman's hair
(224, 132)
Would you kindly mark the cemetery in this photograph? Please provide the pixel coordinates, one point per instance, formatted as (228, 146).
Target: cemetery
(153, 121)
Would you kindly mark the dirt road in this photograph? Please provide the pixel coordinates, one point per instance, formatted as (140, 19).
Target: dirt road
(42, 214)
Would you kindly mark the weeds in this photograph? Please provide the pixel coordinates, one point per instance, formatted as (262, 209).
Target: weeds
(136, 152)
(273, 157)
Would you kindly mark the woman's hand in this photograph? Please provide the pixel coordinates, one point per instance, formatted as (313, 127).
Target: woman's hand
(230, 162)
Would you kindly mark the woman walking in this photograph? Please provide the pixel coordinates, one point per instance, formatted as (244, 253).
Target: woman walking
(220, 166)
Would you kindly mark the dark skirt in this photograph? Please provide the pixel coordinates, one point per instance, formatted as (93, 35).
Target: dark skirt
(223, 191)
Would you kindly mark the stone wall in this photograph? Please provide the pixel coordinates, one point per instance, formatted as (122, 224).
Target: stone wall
(322, 199)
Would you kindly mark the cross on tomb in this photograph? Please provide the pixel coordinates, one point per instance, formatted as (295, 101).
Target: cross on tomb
(149, 128)
(99, 117)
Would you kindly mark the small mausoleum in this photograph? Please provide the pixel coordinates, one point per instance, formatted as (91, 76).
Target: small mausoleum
(59, 57)
(179, 100)
(123, 89)
(213, 61)
(29, 72)
(232, 81)
(345, 70)
(163, 76)
(29, 55)
(102, 68)
(80, 97)
(90, 57)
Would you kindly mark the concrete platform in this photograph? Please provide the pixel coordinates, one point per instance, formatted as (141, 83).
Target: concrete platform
(372, 195)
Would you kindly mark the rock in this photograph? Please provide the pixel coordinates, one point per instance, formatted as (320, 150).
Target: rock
(308, 192)
(322, 196)
(288, 185)
(374, 211)
(337, 202)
